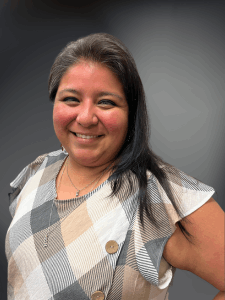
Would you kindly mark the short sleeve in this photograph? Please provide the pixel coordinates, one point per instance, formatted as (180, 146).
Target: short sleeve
(189, 194)
(19, 182)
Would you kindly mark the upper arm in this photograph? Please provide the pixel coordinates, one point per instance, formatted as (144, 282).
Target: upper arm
(205, 257)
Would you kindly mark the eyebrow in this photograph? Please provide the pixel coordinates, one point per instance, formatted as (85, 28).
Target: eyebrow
(101, 94)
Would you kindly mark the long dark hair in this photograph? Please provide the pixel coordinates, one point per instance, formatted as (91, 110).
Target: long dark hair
(136, 154)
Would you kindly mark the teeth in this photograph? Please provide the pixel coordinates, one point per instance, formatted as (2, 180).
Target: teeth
(86, 136)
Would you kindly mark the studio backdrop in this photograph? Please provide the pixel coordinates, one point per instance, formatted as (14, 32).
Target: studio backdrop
(179, 49)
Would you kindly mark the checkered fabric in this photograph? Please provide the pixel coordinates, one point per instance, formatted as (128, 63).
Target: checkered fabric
(76, 264)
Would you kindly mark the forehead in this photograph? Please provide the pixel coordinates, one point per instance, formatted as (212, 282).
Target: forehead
(87, 66)
(90, 74)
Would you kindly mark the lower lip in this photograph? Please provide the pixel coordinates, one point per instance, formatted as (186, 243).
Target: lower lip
(86, 141)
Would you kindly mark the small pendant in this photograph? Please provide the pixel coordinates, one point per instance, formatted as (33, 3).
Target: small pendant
(77, 194)
(46, 241)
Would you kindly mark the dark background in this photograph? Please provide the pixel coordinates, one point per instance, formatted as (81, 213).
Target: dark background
(179, 49)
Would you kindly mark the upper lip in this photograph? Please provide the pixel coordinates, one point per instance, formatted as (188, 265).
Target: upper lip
(89, 134)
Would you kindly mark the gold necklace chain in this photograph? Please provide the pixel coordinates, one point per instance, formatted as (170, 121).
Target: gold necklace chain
(78, 191)
(48, 232)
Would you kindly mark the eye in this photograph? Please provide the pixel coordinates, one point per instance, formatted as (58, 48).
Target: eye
(107, 102)
(70, 99)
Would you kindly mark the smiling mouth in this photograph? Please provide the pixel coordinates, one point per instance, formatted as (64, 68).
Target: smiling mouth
(86, 136)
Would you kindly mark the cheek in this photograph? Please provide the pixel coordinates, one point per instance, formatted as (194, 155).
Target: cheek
(61, 116)
(116, 123)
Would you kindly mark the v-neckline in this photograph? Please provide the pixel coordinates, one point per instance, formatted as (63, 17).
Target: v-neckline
(89, 194)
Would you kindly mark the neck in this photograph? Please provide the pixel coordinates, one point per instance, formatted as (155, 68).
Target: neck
(85, 174)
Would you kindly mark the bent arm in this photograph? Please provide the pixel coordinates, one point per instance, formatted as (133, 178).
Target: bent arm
(220, 296)
(204, 258)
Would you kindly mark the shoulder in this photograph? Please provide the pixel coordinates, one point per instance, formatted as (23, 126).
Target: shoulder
(180, 192)
(41, 162)
(28, 171)
(32, 167)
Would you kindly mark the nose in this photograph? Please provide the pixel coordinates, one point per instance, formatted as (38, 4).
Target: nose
(86, 116)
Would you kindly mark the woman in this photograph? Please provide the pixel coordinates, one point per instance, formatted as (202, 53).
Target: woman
(105, 217)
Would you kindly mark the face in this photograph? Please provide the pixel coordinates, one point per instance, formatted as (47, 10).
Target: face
(90, 114)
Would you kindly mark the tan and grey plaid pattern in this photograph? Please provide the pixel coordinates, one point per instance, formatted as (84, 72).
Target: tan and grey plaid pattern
(76, 264)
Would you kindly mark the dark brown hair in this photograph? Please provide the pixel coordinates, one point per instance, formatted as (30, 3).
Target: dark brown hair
(136, 155)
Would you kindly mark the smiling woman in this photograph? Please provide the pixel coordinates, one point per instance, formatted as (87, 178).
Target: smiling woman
(90, 115)
(105, 217)
(90, 119)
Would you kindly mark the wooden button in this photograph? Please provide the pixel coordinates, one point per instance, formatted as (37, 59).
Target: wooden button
(111, 247)
(98, 295)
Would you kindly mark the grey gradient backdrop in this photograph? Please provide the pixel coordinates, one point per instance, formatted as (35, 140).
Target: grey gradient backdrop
(179, 49)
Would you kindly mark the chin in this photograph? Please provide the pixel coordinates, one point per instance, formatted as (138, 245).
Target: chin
(87, 161)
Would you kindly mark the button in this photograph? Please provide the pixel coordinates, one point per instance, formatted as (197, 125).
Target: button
(111, 247)
(98, 295)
